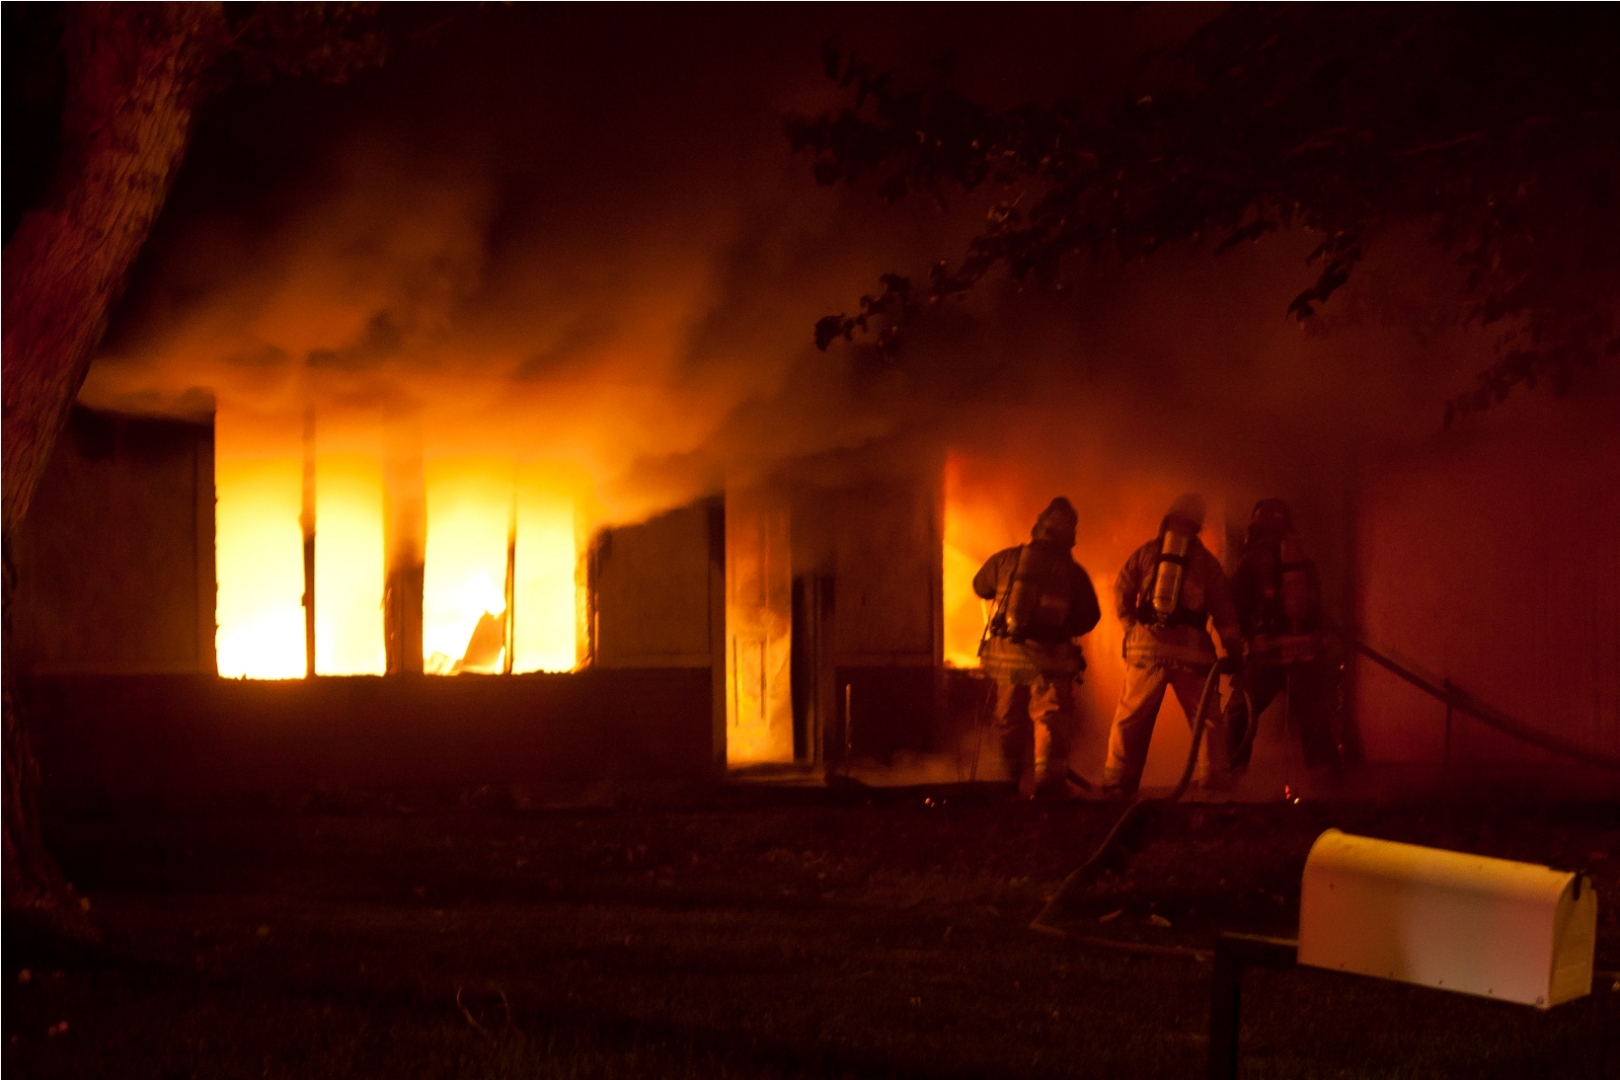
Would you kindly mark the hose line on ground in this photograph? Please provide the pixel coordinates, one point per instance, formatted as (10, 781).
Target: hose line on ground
(1463, 702)
(1083, 872)
(1453, 696)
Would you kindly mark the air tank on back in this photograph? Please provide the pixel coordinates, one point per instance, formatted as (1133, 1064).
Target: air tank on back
(1169, 572)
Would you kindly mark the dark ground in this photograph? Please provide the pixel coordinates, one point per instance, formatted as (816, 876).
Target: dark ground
(763, 934)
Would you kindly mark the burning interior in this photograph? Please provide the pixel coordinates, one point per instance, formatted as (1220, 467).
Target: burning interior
(441, 558)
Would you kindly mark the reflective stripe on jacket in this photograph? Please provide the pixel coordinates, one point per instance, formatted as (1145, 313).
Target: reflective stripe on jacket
(1023, 662)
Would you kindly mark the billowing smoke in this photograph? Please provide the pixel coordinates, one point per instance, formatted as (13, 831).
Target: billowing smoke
(577, 240)
(585, 242)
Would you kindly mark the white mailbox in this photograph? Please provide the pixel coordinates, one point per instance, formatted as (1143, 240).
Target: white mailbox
(1508, 930)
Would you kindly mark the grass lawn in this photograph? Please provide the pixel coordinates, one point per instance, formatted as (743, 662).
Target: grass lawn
(758, 935)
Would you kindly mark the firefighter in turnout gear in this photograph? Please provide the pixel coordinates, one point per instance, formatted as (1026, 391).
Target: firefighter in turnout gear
(1279, 607)
(1170, 589)
(1043, 601)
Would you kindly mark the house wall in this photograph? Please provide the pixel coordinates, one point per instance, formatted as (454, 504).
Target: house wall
(655, 597)
(114, 623)
(115, 619)
(1492, 557)
(162, 739)
(115, 561)
(888, 635)
(652, 586)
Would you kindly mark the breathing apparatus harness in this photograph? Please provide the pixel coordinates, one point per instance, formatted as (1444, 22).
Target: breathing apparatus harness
(1281, 635)
(1034, 604)
(1158, 603)
(996, 624)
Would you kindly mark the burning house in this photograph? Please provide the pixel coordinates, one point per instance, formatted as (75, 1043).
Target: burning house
(486, 592)
(269, 628)
(780, 625)
(481, 449)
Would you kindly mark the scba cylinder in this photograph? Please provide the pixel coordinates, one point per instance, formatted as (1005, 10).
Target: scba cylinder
(1038, 603)
(1169, 572)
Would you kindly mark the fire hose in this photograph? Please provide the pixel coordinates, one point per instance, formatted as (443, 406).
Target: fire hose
(1453, 696)
(1082, 873)
(1456, 698)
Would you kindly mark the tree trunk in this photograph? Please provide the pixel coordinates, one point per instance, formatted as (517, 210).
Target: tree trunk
(135, 75)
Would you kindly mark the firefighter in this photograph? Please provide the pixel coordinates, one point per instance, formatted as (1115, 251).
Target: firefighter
(1043, 602)
(1166, 594)
(1279, 607)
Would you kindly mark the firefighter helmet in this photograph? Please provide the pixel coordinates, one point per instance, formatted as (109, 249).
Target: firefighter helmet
(1188, 507)
(1056, 523)
(1271, 519)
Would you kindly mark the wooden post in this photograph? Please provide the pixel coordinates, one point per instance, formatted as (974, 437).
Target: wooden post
(1225, 1003)
(404, 542)
(510, 627)
(306, 522)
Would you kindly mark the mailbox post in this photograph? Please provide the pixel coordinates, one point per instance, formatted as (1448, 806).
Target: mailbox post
(1233, 953)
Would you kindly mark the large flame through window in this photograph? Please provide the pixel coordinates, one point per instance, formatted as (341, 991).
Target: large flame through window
(974, 530)
(348, 565)
(464, 592)
(477, 508)
(259, 564)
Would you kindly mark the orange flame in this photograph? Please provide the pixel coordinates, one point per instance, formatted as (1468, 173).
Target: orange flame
(469, 504)
(974, 531)
(469, 508)
(259, 564)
